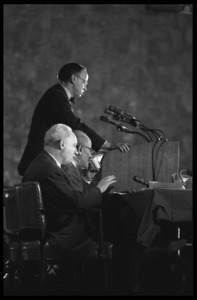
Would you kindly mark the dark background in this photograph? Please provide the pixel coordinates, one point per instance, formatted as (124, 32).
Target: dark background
(137, 59)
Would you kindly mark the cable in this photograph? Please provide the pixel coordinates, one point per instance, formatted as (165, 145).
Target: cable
(153, 162)
(146, 131)
(124, 129)
(154, 133)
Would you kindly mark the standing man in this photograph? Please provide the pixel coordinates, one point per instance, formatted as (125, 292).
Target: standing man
(56, 106)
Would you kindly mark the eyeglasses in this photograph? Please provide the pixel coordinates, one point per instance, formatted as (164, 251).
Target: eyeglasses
(91, 150)
(84, 81)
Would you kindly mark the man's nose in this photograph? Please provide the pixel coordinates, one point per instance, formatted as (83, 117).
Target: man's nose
(76, 152)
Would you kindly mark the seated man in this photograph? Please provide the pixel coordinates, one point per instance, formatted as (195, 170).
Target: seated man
(67, 234)
(116, 212)
(78, 170)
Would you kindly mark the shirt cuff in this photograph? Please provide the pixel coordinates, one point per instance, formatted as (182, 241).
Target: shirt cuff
(106, 147)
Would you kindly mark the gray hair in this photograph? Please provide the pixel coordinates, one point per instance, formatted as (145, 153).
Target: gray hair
(56, 133)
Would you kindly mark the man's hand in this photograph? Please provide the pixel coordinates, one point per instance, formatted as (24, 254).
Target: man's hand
(106, 182)
(123, 147)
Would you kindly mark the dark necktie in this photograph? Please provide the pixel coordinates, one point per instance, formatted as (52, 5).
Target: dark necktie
(70, 103)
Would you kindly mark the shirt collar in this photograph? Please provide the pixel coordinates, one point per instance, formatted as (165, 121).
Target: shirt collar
(67, 91)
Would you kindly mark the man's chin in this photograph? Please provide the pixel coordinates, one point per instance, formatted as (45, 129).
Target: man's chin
(74, 160)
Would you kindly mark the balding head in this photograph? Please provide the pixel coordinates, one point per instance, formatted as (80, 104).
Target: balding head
(84, 149)
(60, 142)
(74, 77)
(67, 70)
(82, 138)
(56, 133)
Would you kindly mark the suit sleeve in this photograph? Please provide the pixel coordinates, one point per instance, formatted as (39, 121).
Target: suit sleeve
(58, 187)
(59, 111)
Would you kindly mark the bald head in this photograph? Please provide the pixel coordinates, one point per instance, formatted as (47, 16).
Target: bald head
(82, 138)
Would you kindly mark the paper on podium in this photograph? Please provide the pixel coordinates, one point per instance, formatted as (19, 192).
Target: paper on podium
(166, 185)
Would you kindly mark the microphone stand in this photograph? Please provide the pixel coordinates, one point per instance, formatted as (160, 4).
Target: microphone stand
(122, 128)
(153, 132)
(150, 135)
(132, 122)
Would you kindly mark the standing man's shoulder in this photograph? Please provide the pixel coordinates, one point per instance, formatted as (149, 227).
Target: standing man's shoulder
(56, 93)
(56, 89)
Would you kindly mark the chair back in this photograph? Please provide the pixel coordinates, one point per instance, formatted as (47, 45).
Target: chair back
(25, 227)
(23, 207)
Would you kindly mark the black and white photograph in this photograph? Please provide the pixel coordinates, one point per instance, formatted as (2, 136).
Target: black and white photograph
(97, 149)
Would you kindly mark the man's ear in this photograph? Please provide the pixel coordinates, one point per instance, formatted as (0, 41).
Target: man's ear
(79, 149)
(73, 78)
(62, 144)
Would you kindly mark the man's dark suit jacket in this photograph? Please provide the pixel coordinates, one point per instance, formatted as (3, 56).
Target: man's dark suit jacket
(54, 107)
(67, 234)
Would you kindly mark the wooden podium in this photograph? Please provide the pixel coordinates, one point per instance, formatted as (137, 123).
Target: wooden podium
(152, 161)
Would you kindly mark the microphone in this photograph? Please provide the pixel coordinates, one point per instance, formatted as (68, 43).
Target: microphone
(115, 116)
(119, 126)
(108, 120)
(109, 112)
(118, 111)
(140, 180)
(124, 116)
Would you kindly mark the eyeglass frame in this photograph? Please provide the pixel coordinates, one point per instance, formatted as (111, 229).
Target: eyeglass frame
(91, 150)
(85, 82)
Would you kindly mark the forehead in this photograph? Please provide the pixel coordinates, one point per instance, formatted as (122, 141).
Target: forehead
(84, 73)
(88, 143)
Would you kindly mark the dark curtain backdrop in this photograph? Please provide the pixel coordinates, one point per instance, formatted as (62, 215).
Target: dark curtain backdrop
(137, 59)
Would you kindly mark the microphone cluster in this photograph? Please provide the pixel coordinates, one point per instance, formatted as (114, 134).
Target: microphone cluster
(117, 115)
(119, 126)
